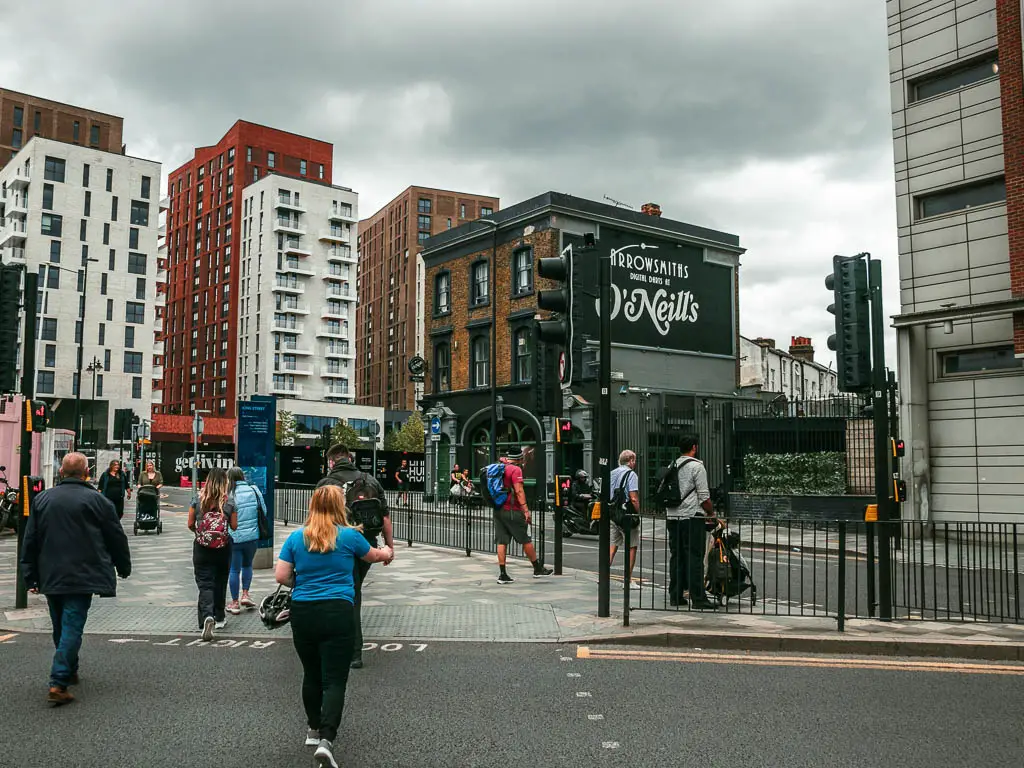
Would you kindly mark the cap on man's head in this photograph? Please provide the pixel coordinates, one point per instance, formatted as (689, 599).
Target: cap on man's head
(516, 454)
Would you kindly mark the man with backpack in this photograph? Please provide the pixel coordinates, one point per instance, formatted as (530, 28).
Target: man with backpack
(502, 486)
(366, 504)
(683, 493)
(625, 487)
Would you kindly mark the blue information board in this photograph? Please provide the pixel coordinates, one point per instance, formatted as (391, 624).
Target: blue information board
(257, 425)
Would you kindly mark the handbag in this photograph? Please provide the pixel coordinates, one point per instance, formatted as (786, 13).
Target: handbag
(622, 506)
(262, 521)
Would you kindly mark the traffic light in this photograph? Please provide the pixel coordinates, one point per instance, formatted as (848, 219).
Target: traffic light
(852, 308)
(899, 490)
(547, 394)
(562, 484)
(563, 430)
(558, 330)
(10, 306)
(31, 485)
(898, 448)
(37, 415)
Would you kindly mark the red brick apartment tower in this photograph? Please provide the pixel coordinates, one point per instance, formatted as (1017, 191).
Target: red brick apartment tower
(1011, 87)
(203, 241)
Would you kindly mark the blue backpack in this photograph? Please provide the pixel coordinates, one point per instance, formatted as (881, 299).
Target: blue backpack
(492, 483)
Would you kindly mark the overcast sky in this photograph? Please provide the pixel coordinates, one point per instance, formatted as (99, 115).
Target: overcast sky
(768, 119)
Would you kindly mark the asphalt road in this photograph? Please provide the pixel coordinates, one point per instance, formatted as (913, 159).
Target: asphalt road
(459, 704)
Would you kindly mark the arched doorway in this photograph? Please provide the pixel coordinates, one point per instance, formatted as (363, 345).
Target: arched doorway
(512, 435)
(443, 472)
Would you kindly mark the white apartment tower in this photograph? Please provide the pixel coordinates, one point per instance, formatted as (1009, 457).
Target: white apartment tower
(86, 221)
(297, 298)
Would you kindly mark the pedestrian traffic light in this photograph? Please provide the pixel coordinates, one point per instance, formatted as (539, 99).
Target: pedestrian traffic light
(562, 484)
(898, 448)
(10, 307)
(31, 486)
(37, 415)
(563, 430)
(852, 308)
(899, 490)
(558, 329)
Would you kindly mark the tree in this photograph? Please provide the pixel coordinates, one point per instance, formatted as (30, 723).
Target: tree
(287, 428)
(410, 437)
(391, 440)
(344, 433)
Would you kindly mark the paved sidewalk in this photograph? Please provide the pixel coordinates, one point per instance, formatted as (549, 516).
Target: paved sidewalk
(438, 594)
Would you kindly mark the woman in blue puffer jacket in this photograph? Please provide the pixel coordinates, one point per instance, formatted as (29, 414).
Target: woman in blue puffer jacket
(246, 499)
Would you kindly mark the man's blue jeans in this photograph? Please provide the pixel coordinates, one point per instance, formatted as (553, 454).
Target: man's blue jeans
(67, 614)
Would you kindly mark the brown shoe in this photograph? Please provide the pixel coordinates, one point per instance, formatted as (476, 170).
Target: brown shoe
(58, 696)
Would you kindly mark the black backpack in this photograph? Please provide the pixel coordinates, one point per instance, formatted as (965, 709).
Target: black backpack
(364, 506)
(668, 494)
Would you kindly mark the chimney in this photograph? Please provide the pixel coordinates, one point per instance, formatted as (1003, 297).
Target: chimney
(800, 347)
(651, 209)
(765, 343)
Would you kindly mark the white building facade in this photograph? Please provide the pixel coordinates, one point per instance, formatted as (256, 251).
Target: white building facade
(86, 221)
(961, 384)
(794, 374)
(297, 301)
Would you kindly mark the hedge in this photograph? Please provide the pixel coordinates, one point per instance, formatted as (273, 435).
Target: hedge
(795, 474)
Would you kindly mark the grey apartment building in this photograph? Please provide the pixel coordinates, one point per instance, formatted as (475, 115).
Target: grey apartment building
(955, 70)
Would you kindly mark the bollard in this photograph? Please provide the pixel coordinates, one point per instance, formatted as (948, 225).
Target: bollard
(841, 611)
(558, 541)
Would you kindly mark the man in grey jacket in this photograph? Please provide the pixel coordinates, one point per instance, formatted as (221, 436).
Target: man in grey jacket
(687, 534)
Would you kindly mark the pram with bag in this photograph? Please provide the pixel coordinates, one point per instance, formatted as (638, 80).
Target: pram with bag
(728, 574)
(147, 511)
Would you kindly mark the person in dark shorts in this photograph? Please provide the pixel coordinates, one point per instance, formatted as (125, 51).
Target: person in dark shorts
(512, 521)
(402, 478)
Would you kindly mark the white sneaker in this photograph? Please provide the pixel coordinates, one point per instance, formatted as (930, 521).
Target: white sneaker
(208, 628)
(312, 738)
(324, 756)
(221, 624)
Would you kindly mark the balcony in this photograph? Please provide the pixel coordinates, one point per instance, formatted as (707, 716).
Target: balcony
(340, 214)
(284, 327)
(330, 314)
(18, 179)
(294, 309)
(158, 347)
(17, 205)
(157, 397)
(296, 249)
(296, 269)
(327, 332)
(288, 226)
(345, 294)
(331, 373)
(295, 390)
(14, 232)
(288, 203)
(288, 286)
(343, 351)
(337, 392)
(158, 371)
(336, 235)
(15, 255)
(296, 350)
(297, 370)
(158, 325)
(165, 203)
(342, 255)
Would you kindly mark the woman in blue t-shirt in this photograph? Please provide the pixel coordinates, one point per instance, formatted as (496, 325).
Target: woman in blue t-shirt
(318, 562)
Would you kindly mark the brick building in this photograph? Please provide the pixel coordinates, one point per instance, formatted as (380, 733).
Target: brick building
(390, 313)
(204, 242)
(23, 116)
(958, 135)
(674, 323)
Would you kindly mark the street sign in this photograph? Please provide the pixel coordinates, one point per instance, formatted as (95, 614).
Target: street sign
(375, 429)
(417, 367)
(435, 438)
(435, 425)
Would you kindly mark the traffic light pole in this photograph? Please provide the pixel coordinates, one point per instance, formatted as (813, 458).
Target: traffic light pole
(28, 379)
(883, 472)
(604, 439)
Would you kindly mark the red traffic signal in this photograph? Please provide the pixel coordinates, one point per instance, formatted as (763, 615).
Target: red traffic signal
(30, 486)
(898, 448)
(40, 415)
(563, 429)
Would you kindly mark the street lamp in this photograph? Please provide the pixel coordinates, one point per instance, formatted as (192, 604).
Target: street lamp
(94, 366)
(81, 344)
(197, 428)
(494, 338)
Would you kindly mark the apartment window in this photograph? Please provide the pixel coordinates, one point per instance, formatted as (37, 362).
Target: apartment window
(522, 271)
(961, 198)
(478, 283)
(16, 138)
(302, 167)
(55, 251)
(255, 174)
(442, 366)
(320, 170)
(485, 211)
(133, 238)
(462, 210)
(129, 343)
(103, 285)
(954, 77)
(112, 260)
(106, 233)
(140, 288)
(19, 116)
(134, 312)
(422, 237)
(424, 205)
(110, 309)
(140, 213)
(94, 135)
(423, 222)
(522, 356)
(479, 361)
(51, 224)
(136, 387)
(85, 175)
(48, 197)
(36, 121)
(271, 159)
(53, 278)
(980, 361)
(53, 169)
(248, 154)
(106, 353)
(144, 192)
(99, 385)
(50, 356)
(76, 130)
(83, 230)
(113, 209)
(49, 329)
(443, 293)
(231, 154)
(87, 211)
(110, 179)
(74, 384)
(44, 382)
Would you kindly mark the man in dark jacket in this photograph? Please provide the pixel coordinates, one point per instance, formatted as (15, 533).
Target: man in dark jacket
(342, 472)
(73, 545)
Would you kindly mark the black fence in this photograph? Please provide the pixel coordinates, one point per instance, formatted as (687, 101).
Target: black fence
(463, 524)
(946, 572)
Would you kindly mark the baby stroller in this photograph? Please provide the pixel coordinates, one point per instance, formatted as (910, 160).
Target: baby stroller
(147, 511)
(728, 574)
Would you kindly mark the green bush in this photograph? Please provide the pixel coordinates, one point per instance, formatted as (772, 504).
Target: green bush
(795, 474)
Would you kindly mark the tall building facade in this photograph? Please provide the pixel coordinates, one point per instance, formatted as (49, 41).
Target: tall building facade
(23, 116)
(204, 229)
(297, 299)
(389, 317)
(794, 374)
(958, 131)
(87, 222)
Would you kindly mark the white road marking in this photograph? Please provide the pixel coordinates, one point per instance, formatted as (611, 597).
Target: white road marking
(610, 744)
(595, 717)
(583, 694)
(573, 674)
